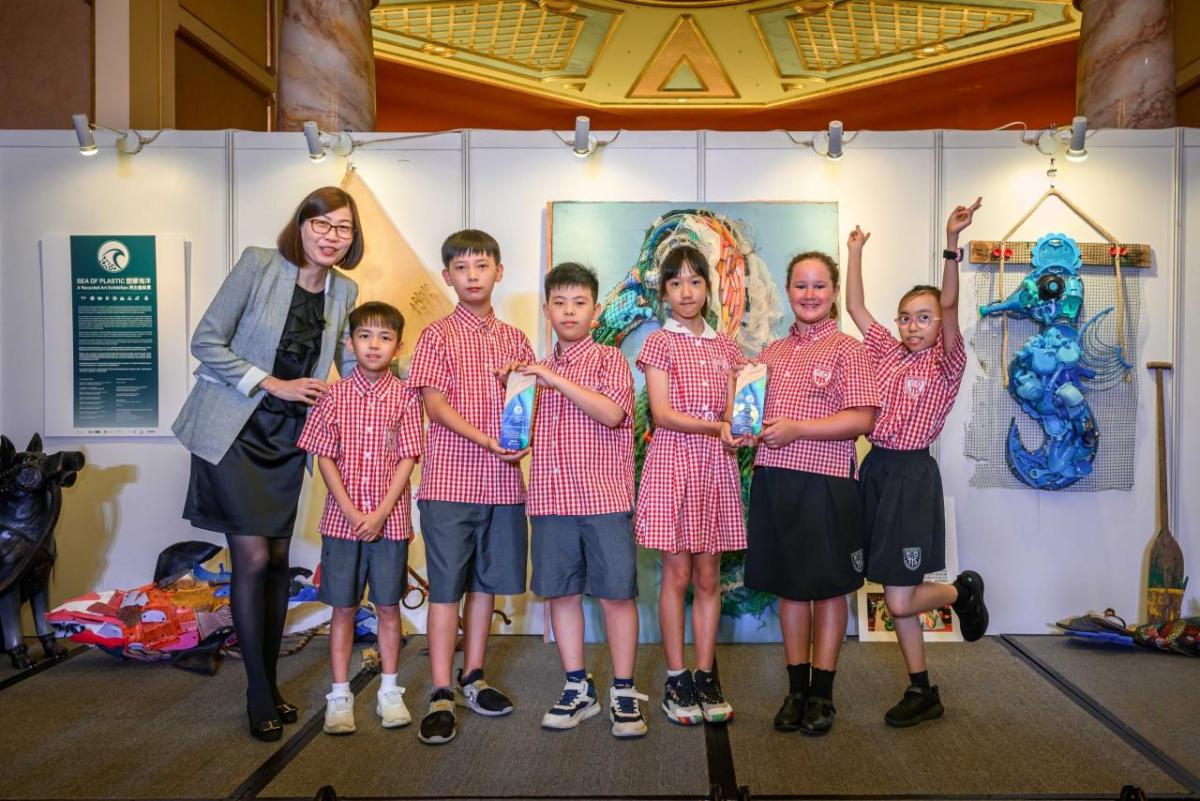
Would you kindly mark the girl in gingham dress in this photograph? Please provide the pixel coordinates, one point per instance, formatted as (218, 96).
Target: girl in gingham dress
(805, 532)
(689, 500)
(918, 376)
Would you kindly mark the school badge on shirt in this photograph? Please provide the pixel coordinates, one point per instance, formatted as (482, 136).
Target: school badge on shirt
(914, 386)
(821, 376)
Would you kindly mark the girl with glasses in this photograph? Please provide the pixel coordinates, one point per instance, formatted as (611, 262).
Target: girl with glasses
(918, 375)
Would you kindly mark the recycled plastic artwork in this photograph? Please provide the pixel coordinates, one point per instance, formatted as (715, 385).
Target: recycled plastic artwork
(1046, 376)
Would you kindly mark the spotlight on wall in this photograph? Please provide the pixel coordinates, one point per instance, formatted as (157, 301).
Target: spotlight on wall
(83, 132)
(584, 144)
(834, 138)
(1077, 149)
(312, 136)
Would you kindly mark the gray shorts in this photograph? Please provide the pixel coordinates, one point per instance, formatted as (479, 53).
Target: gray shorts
(350, 566)
(592, 554)
(473, 547)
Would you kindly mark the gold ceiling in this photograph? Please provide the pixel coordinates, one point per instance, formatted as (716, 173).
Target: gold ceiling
(706, 53)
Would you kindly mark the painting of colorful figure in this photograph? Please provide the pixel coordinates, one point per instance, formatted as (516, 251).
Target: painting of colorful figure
(748, 246)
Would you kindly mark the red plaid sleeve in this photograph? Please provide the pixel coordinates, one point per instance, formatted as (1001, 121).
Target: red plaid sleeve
(858, 379)
(880, 342)
(953, 364)
(656, 352)
(320, 436)
(410, 430)
(737, 359)
(430, 363)
(616, 383)
(527, 355)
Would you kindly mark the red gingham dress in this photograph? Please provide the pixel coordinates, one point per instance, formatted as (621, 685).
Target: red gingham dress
(690, 496)
(917, 390)
(812, 375)
(579, 466)
(459, 355)
(367, 429)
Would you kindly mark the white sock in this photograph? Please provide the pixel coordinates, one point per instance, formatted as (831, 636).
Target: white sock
(674, 673)
(387, 681)
(342, 689)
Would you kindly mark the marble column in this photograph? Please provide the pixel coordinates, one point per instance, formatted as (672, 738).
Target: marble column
(1126, 72)
(326, 65)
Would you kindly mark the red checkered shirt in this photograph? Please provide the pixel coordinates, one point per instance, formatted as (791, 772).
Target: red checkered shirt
(690, 495)
(917, 390)
(367, 430)
(458, 355)
(811, 375)
(580, 466)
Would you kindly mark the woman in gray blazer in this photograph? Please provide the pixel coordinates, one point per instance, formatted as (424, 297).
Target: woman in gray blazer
(265, 346)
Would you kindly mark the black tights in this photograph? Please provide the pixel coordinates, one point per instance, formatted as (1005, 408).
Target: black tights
(258, 597)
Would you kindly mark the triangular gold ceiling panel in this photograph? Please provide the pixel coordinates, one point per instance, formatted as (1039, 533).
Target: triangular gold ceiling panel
(683, 79)
(684, 47)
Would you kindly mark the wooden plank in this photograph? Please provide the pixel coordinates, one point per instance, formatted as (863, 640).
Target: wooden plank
(1091, 253)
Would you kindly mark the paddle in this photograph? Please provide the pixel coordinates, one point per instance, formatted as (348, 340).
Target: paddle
(1165, 581)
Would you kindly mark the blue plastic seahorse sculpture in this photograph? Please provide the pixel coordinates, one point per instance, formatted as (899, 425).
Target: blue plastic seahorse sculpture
(1046, 376)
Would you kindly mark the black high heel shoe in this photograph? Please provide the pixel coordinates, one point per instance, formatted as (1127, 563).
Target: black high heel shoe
(269, 731)
(287, 712)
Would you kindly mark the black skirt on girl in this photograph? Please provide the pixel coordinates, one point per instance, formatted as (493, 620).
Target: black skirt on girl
(804, 538)
(255, 487)
(903, 515)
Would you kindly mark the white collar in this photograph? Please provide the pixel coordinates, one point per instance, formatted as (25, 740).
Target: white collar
(676, 327)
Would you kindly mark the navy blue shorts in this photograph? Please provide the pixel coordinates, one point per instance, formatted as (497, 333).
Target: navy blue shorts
(473, 547)
(592, 554)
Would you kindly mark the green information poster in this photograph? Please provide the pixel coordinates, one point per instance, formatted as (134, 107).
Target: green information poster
(114, 312)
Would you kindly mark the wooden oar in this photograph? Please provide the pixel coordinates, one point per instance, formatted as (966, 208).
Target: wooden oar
(1165, 581)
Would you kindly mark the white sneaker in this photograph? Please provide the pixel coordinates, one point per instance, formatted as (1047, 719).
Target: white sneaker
(339, 714)
(389, 705)
(624, 712)
(577, 704)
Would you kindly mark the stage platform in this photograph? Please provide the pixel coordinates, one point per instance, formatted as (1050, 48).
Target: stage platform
(1033, 718)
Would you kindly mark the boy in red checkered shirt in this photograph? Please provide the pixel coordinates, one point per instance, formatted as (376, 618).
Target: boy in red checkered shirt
(581, 500)
(472, 496)
(366, 434)
(918, 376)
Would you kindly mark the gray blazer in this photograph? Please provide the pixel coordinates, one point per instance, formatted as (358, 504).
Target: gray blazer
(236, 342)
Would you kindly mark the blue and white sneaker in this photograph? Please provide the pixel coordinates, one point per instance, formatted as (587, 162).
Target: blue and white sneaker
(577, 704)
(624, 712)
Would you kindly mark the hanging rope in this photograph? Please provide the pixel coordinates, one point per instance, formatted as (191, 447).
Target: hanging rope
(1003, 318)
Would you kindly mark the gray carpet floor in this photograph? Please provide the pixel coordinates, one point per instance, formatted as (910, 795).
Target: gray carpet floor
(1156, 694)
(508, 756)
(96, 727)
(1006, 730)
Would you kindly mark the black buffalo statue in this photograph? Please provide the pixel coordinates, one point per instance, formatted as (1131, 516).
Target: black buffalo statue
(31, 485)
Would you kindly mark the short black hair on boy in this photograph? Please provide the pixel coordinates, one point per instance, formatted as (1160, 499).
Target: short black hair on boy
(569, 273)
(376, 312)
(461, 243)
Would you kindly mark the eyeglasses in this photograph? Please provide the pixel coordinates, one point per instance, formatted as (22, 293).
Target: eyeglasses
(922, 319)
(321, 227)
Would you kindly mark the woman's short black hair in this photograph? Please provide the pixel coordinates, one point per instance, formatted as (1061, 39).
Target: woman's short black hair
(318, 202)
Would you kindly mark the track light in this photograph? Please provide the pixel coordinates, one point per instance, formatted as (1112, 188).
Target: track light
(83, 132)
(1077, 149)
(584, 144)
(312, 136)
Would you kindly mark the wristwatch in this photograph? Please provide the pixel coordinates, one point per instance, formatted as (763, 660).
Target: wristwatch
(953, 255)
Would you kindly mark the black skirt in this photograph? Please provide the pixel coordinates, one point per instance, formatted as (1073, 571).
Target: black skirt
(255, 487)
(804, 538)
(903, 515)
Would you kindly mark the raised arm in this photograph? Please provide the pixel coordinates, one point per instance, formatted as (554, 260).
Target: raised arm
(855, 302)
(959, 219)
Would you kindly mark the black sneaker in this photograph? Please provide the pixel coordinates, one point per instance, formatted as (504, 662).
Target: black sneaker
(918, 704)
(789, 714)
(818, 716)
(972, 611)
(480, 697)
(437, 728)
(713, 705)
(679, 700)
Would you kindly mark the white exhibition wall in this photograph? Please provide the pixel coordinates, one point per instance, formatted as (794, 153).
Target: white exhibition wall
(1044, 555)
